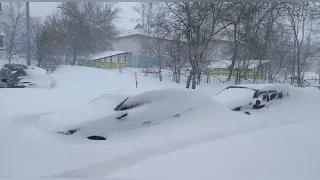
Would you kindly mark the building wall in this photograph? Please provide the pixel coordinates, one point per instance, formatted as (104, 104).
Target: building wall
(129, 43)
(219, 49)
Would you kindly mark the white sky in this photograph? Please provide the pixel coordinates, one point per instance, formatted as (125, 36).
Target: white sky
(43, 9)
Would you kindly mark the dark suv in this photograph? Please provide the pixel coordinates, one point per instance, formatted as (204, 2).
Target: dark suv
(11, 75)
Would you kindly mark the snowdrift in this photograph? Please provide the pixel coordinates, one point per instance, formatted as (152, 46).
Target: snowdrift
(38, 76)
(287, 152)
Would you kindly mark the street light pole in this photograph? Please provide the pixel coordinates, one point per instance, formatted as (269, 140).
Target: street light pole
(28, 33)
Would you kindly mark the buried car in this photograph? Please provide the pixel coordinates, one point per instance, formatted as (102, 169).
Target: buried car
(245, 97)
(115, 113)
(22, 76)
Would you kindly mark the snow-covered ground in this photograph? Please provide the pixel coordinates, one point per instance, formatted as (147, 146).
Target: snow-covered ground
(277, 142)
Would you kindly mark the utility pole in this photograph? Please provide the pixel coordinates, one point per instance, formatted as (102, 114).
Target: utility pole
(28, 34)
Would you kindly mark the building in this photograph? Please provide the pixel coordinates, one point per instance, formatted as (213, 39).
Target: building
(132, 41)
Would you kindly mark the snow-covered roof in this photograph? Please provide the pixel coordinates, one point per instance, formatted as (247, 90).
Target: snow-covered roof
(105, 54)
(224, 64)
(131, 32)
(311, 75)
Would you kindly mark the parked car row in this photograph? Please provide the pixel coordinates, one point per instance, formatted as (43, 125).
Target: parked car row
(153, 107)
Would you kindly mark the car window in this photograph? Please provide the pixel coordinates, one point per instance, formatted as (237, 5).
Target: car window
(19, 67)
(264, 97)
(130, 103)
(4, 73)
(273, 96)
(15, 77)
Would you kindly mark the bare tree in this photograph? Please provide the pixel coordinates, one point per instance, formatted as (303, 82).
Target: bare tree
(46, 46)
(88, 27)
(199, 22)
(297, 15)
(14, 29)
(279, 52)
(177, 55)
(153, 19)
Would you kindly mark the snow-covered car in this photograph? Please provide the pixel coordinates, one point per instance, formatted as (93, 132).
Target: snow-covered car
(242, 98)
(110, 113)
(22, 76)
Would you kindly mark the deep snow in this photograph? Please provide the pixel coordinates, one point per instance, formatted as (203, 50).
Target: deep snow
(286, 152)
(225, 139)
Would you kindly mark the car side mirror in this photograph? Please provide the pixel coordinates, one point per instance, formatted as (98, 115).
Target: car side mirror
(4, 80)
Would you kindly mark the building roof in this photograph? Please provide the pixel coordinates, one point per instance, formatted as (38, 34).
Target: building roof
(136, 31)
(106, 54)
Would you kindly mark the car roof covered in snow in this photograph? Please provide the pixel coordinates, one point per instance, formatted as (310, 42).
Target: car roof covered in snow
(15, 67)
(265, 87)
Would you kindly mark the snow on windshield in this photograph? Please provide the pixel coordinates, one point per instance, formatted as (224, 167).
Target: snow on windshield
(235, 97)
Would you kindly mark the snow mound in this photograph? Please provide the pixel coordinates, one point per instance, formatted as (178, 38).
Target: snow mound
(38, 76)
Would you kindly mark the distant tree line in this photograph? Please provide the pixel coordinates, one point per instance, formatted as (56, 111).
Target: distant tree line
(184, 32)
(183, 35)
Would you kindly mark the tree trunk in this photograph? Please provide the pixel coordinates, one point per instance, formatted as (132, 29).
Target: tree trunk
(74, 56)
(194, 83)
(9, 59)
(198, 78)
(234, 54)
(191, 77)
(189, 81)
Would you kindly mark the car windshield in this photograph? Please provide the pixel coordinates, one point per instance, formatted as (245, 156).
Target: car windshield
(235, 96)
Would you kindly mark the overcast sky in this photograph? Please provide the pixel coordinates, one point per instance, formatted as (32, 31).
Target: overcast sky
(43, 9)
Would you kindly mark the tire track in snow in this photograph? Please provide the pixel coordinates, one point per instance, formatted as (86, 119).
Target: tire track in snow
(107, 167)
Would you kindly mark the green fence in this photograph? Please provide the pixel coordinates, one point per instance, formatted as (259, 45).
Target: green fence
(226, 73)
(102, 64)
